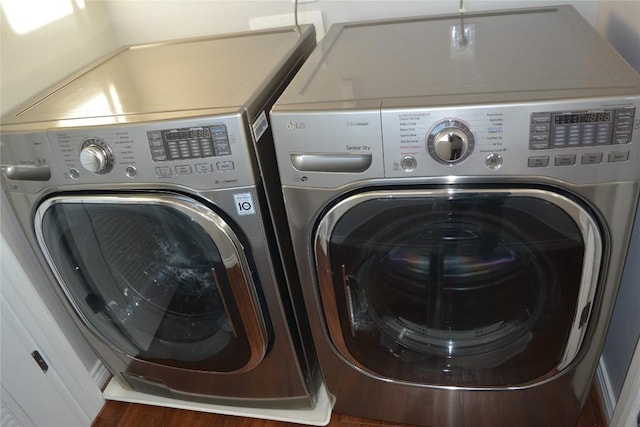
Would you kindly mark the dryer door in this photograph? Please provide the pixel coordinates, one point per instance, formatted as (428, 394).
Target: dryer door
(160, 277)
(458, 287)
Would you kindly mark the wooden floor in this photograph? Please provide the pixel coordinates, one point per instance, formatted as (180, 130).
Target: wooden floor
(120, 414)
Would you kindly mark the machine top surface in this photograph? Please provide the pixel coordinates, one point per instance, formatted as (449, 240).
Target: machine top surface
(227, 71)
(183, 112)
(546, 51)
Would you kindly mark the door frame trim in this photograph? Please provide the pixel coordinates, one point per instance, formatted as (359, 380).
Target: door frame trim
(593, 241)
(229, 245)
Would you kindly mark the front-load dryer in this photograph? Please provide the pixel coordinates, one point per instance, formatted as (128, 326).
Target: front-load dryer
(460, 192)
(138, 182)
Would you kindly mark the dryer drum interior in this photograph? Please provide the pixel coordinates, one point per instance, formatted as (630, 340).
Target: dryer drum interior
(150, 279)
(458, 291)
(446, 281)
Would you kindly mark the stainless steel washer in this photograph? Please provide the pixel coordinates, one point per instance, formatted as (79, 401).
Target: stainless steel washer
(460, 192)
(138, 182)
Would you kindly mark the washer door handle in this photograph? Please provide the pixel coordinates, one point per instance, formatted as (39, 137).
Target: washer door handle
(27, 172)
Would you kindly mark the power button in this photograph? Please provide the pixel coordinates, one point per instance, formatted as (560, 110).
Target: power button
(493, 161)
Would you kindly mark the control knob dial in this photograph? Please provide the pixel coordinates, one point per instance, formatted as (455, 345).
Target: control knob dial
(450, 141)
(96, 156)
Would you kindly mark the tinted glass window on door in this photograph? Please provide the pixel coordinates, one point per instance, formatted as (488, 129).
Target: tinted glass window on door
(467, 290)
(150, 280)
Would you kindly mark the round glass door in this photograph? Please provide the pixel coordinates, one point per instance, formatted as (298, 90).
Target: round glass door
(468, 289)
(161, 278)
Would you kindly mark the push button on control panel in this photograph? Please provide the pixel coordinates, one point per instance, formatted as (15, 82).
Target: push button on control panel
(163, 171)
(493, 161)
(618, 156)
(623, 126)
(204, 168)
(131, 171)
(591, 158)
(539, 131)
(538, 161)
(565, 160)
(183, 170)
(408, 163)
(225, 166)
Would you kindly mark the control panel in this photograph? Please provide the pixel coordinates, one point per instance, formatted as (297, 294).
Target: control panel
(575, 141)
(189, 142)
(581, 128)
(579, 141)
(202, 153)
(600, 135)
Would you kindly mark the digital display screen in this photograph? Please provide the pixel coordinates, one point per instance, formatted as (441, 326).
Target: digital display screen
(595, 117)
(181, 134)
(598, 117)
(189, 142)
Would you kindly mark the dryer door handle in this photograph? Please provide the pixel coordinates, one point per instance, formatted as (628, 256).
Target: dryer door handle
(331, 162)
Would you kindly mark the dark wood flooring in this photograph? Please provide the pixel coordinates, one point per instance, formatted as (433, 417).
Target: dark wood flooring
(121, 414)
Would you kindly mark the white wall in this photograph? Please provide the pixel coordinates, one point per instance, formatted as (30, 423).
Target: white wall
(33, 61)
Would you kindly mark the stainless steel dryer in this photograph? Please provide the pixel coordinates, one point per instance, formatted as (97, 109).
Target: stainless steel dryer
(138, 182)
(460, 192)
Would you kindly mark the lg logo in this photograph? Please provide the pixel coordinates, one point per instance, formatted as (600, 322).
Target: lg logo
(295, 125)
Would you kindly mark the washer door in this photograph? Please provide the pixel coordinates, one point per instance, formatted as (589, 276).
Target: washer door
(458, 287)
(160, 277)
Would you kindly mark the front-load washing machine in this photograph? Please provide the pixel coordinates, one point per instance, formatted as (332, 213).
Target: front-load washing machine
(138, 182)
(460, 192)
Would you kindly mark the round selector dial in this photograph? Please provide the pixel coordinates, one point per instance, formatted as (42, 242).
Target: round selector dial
(450, 141)
(96, 156)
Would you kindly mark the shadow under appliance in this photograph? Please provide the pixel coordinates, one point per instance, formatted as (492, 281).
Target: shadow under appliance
(460, 192)
(138, 182)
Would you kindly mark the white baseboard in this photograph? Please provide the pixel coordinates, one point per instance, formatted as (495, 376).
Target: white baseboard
(318, 416)
(606, 392)
(100, 375)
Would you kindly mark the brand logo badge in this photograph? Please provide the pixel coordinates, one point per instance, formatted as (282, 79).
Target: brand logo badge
(295, 125)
